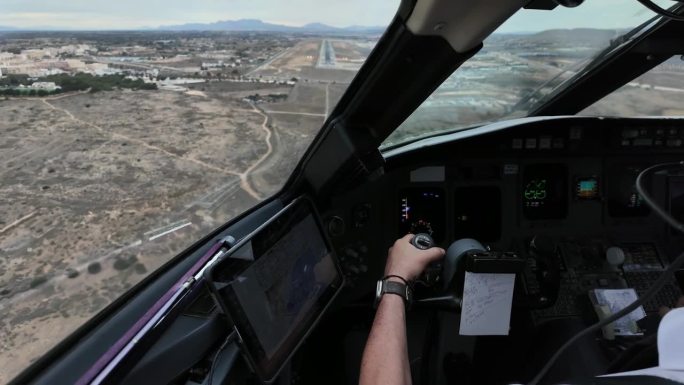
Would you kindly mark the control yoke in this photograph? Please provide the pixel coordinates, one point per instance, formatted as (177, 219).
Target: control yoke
(465, 255)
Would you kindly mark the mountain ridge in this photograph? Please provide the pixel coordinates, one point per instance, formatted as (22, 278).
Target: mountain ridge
(256, 25)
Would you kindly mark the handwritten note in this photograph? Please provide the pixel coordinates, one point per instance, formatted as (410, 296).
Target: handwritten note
(487, 301)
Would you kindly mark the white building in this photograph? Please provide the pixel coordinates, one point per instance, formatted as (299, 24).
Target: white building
(218, 64)
(47, 86)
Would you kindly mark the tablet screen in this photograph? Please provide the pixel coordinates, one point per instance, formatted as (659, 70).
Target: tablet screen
(277, 284)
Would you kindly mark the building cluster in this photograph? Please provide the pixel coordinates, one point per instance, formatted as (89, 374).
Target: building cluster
(47, 86)
(42, 62)
(169, 63)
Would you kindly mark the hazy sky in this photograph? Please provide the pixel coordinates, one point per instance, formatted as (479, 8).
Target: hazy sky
(130, 14)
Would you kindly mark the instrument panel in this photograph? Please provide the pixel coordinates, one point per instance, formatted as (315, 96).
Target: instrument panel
(553, 198)
(576, 173)
(502, 190)
(544, 192)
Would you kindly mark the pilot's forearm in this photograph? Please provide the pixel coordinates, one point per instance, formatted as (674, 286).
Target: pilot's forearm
(385, 359)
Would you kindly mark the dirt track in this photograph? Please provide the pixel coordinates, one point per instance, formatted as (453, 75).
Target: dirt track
(99, 180)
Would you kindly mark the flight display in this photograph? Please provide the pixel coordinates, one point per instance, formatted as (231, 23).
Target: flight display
(587, 188)
(544, 194)
(422, 210)
(623, 198)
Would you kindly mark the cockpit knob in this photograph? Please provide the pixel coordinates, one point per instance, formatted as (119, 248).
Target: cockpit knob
(615, 256)
(422, 241)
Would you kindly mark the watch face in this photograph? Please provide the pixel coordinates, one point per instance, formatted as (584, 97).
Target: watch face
(378, 292)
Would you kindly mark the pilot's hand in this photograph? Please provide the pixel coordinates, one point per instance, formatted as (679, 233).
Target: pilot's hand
(407, 261)
(664, 309)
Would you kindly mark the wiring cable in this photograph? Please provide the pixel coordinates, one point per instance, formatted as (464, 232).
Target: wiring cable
(662, 11)
(652, 291)
(210, 375)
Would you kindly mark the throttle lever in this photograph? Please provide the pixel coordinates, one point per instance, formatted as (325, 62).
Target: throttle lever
(422, 241)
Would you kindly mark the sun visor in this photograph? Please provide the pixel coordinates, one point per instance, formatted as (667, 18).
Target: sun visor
(463, 23)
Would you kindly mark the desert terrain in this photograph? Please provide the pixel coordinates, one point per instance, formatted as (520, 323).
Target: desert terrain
(100, 189)
(129, 147)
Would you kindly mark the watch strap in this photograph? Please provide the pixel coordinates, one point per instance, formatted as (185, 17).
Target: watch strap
(398, 288)
(386, 286)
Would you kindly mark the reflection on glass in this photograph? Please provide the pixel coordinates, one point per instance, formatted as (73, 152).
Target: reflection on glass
(656, 93)
(528, 57)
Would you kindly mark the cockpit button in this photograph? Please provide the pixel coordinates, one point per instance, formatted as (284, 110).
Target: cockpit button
(630, 133)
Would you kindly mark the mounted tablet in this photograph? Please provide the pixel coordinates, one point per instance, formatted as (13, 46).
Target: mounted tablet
(275, 284)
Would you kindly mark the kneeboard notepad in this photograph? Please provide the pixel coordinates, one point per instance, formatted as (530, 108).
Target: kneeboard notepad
(487, 302)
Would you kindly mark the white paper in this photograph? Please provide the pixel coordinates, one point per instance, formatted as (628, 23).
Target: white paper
(487, 301)
(616, 300)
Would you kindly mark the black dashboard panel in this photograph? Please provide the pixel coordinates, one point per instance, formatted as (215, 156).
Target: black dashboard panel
(570, 179)
(571, 173)
(676, 197)
(477, 213)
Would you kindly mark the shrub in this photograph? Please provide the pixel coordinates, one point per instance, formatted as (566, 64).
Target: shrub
(37, 281)
(94, 268)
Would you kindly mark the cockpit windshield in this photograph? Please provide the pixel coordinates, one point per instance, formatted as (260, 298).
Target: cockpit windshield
(528, 57)
(131, 129)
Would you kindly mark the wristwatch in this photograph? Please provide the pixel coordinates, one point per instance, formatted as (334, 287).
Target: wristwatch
(385, 286)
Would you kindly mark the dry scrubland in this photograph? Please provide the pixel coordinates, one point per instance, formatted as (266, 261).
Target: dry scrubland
(99, 189)
(89, 181)
(659, 92)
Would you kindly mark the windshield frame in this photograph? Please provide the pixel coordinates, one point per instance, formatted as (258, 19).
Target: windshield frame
(614, 69)
(540, 107)
(619, 46)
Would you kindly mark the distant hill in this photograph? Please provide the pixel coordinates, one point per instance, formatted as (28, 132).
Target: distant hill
(229, 25)
(318, 27)
(587, 36)
(261, 26)
(242, 25)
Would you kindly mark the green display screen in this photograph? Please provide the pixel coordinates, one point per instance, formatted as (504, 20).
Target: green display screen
(545, 191)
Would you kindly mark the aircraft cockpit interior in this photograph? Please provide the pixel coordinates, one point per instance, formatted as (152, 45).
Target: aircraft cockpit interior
(558, 194)
(552, 221)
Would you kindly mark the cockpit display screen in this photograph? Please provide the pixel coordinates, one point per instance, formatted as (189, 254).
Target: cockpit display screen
(623, 199)
(275, 285)
(422, 210)
(545, 192)
(477, 212)
(587, 188)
